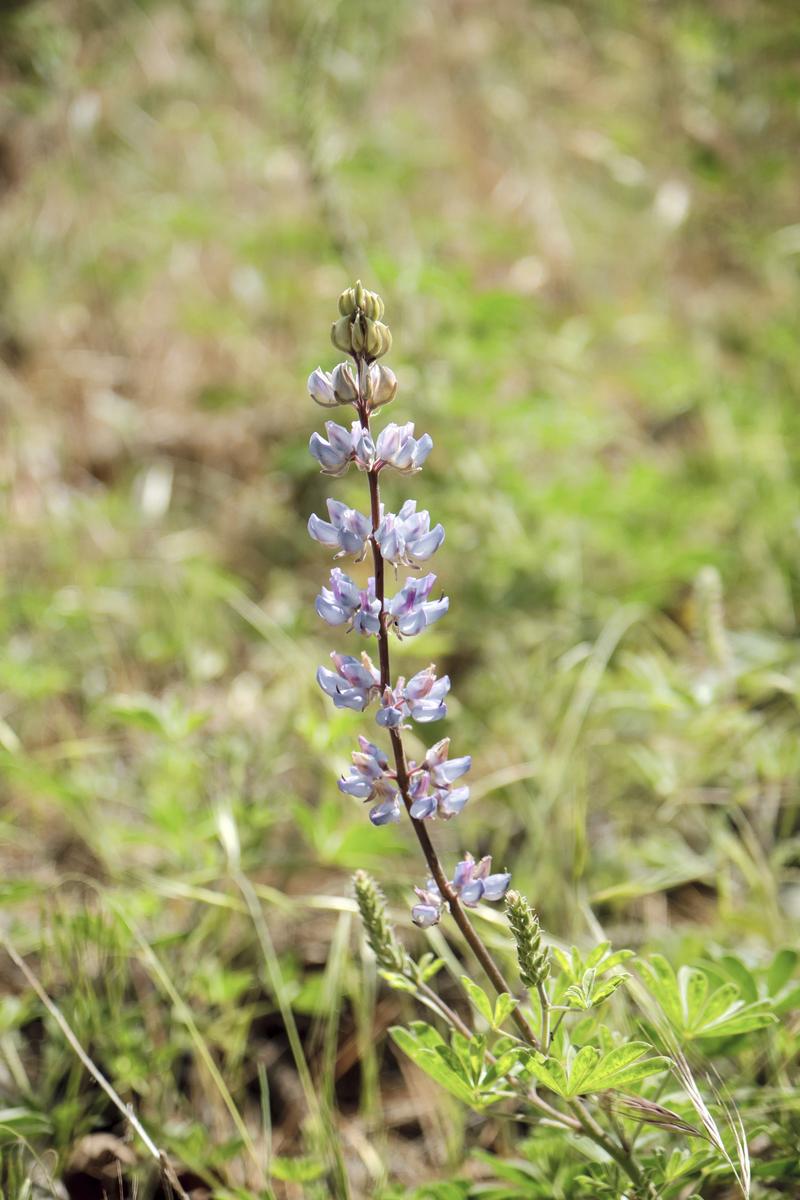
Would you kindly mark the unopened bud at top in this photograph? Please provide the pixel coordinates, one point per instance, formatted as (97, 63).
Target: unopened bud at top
(359, 330)
(358, 297)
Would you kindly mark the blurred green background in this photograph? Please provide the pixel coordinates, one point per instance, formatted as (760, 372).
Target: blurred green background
(584, 221)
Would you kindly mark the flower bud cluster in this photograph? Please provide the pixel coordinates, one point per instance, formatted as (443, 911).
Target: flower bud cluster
(471, 882)
(533, 956)
(383, 941)
(359, 330)
(430, 789)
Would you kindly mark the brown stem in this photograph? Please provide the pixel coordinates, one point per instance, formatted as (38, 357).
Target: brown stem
(460, 917)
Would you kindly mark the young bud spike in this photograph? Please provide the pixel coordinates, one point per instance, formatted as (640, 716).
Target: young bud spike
(534, 958)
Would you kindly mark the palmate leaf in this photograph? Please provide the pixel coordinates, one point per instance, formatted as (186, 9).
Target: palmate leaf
(593, 1071)
(696, 1008)
(425, 1047)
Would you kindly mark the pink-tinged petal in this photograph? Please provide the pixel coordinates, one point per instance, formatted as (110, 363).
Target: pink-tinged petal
(437, 754)
(483, 867)
(420, 685)
(463, 872)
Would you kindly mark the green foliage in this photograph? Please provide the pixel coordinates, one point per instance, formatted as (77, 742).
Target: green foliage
(696, 1009)
(587, 982)
(589, 1070)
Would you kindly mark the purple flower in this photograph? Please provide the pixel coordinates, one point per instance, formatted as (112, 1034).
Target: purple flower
(348, 529)
(471, 882)
(438, 798)
(352, 684)
(429, 910)
(445, 771)
(407, 537)
(334, 455)
(421, 698)
(369, 779)
(344, 603)
(411, 611)
(397, 447)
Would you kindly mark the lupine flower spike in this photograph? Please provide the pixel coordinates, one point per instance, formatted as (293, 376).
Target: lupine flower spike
(430, 789)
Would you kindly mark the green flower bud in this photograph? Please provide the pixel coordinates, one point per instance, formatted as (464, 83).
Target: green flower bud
(534, 958)
(359, 294)
(358, 333)
(372, 306)
(380, 340)
(340, 335)
(347, 302)
(381, 936)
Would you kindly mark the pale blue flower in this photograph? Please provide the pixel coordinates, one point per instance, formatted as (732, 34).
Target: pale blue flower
(411, 611)
(438, 797)
(344, 603)
(407, 536)
(471, 882)
(422, 698)
(348, 529)
(335, 454)
(352, 684)
(397, 447)
(370, 779)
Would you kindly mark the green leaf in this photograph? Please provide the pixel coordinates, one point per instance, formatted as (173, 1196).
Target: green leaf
(503, 1008)
(548, 1072)
(582, 1069)
(479, 999)
(296, 1170)
(433, 1064)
